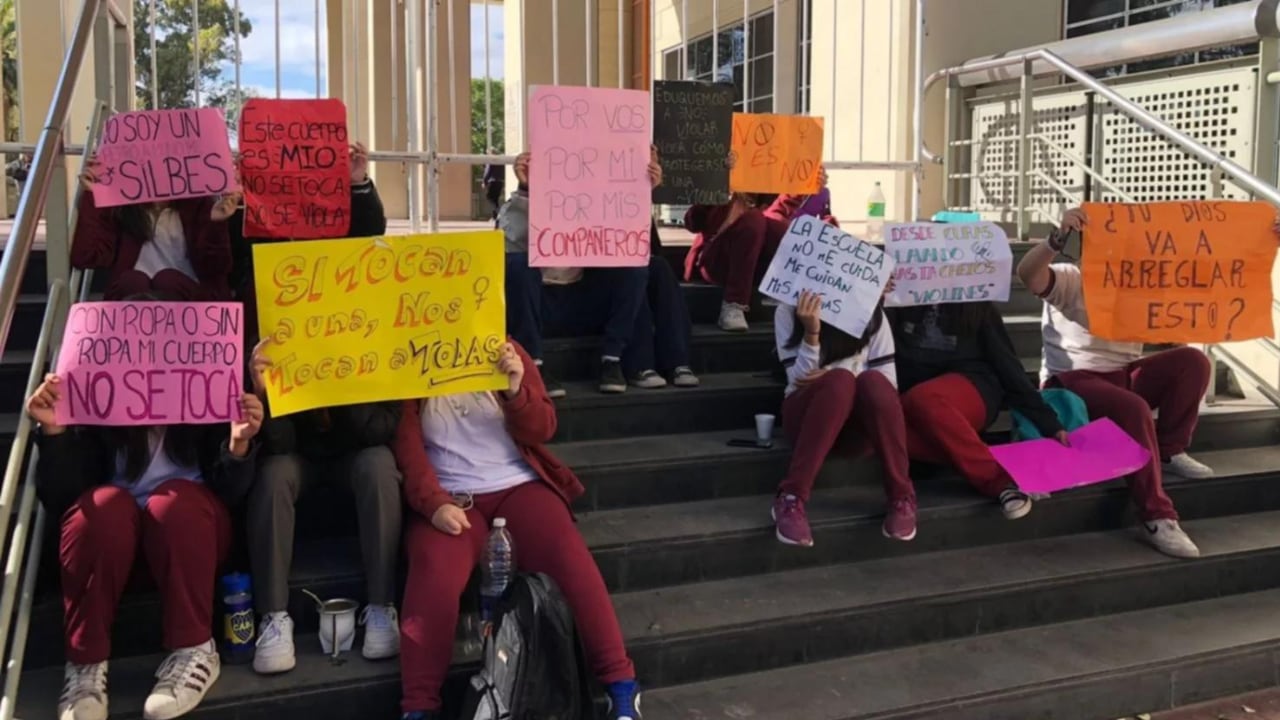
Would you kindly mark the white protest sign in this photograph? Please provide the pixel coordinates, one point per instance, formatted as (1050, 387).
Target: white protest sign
(849, 273)
(948, 263)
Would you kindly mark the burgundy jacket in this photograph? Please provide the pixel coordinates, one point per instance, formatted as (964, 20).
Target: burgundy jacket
(100, 243)
(531, 420)
(706, 221)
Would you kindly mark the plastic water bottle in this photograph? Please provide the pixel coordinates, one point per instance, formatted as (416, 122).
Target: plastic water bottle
(238, 625)
(497, 570)
(875, 213)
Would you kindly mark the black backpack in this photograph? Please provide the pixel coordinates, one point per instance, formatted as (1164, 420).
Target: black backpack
(533, 663)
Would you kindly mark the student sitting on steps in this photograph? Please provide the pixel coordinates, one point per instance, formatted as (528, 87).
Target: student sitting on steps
(581, 301)
(470, 458)
(841, 390)
(1117, 382)
(179, 249)
(956, 370)
(733, 246)
(160, 492)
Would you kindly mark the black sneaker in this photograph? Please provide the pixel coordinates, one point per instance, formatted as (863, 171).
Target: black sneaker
(611, 378)
(553, 386)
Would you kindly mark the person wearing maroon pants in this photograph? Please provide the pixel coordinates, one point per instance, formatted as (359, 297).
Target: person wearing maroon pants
(1117, 382)
(161, 493)
(956, 370)
(841, 391)
(468, 459)
(734, 244)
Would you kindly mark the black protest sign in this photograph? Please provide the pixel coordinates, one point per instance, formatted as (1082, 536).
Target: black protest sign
(693, 129)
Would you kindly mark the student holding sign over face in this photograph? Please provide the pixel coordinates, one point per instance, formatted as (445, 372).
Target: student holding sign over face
(180, 248)
(639, 310)
(1116, 381)
(957, 369)
(468, 459)
(162, 492)
(840, 389)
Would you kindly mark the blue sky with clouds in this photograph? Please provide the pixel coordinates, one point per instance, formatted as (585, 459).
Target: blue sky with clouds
(298, 46)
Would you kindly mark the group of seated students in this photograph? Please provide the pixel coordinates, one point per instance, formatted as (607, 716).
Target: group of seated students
(922, 383)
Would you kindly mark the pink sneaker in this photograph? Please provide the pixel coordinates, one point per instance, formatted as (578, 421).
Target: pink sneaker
(900, 521)
(793, 523)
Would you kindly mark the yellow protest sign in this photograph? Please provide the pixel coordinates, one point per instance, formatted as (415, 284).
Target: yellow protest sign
(386, 318)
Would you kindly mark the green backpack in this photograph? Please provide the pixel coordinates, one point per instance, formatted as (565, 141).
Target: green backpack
(1069, 406)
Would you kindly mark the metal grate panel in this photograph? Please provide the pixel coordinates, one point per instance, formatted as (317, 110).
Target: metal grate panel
(1215, 108)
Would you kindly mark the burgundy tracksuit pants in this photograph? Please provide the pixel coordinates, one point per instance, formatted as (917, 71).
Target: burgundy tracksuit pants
(856, 413)
(183, 531)
(545, 541)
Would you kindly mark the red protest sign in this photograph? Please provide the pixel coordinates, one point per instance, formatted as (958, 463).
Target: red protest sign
(295, 166)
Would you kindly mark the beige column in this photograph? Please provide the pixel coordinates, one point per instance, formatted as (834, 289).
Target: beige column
(368, 70)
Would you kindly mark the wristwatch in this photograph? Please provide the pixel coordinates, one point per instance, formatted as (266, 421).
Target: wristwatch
(1057, 239)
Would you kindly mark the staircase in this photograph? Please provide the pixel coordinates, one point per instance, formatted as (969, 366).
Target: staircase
(1063, 614)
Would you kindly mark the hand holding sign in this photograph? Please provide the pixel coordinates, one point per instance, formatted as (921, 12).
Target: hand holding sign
(42, 403)
(1183, 272)
(244, 430)
(512, 366)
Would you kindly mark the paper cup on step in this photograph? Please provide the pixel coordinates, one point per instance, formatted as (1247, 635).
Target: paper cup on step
(764, 427)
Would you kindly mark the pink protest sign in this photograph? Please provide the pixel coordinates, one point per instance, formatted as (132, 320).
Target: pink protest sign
(151, 363)
(1099, 451)
(589, 191)
(153, 155)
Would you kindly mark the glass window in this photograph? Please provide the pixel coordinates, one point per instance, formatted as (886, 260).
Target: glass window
(1085, 17)
(730, 53)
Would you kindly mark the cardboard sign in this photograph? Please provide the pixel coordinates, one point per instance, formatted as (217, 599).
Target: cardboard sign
(1099, 451)
(948, 263)
(776, 154)
(151, 363)
(295, 163)
(849, 273)
(693, 129)
(589, 191)
(160, 155)
(1179, 272)
(385, 318)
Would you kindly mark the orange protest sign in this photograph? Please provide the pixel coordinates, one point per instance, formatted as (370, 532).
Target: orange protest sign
(1181, 272)
(776, 154)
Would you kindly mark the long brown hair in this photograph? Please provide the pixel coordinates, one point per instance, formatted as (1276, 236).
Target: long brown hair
(835, 344)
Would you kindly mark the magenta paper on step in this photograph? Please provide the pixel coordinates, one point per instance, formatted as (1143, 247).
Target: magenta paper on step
(151, 363)
(1099, 451)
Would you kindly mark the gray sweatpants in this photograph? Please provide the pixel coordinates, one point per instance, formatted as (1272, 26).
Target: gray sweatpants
(374, 480)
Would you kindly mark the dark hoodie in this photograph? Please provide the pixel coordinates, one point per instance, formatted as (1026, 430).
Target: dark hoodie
(930, 343)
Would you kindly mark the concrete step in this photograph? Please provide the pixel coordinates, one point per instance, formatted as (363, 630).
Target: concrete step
(661, 548)
(854, 611)
(1103, 667)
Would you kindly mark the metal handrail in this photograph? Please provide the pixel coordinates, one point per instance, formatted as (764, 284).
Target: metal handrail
(1135, 112)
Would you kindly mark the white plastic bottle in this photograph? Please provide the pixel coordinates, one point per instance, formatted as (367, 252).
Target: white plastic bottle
(875, 214)
(497, 569)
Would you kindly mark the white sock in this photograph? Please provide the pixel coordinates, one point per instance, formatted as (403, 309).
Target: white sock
(610, 358)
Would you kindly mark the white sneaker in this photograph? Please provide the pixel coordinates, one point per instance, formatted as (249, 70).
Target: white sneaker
(648, 379)
(733, 318)
(381, 632)
(1183, 465)
(1169, 538)
(182, 681)
(84, 692)
(274, 651)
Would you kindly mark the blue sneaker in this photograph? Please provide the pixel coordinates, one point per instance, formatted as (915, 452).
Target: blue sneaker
(624, 700)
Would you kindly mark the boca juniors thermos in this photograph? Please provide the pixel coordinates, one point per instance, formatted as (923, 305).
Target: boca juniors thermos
(237, 634)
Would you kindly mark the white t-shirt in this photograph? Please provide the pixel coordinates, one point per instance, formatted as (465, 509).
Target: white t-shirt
(1068, 344)
(167, 249)
(469, 446)
(160, 470)
(803, 359)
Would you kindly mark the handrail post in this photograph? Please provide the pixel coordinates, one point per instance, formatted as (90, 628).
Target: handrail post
(48, 156)
(1025, 116)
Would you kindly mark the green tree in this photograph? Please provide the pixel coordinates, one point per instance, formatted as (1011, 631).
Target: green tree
(479, 136)
(9, 68)
(175, 42)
